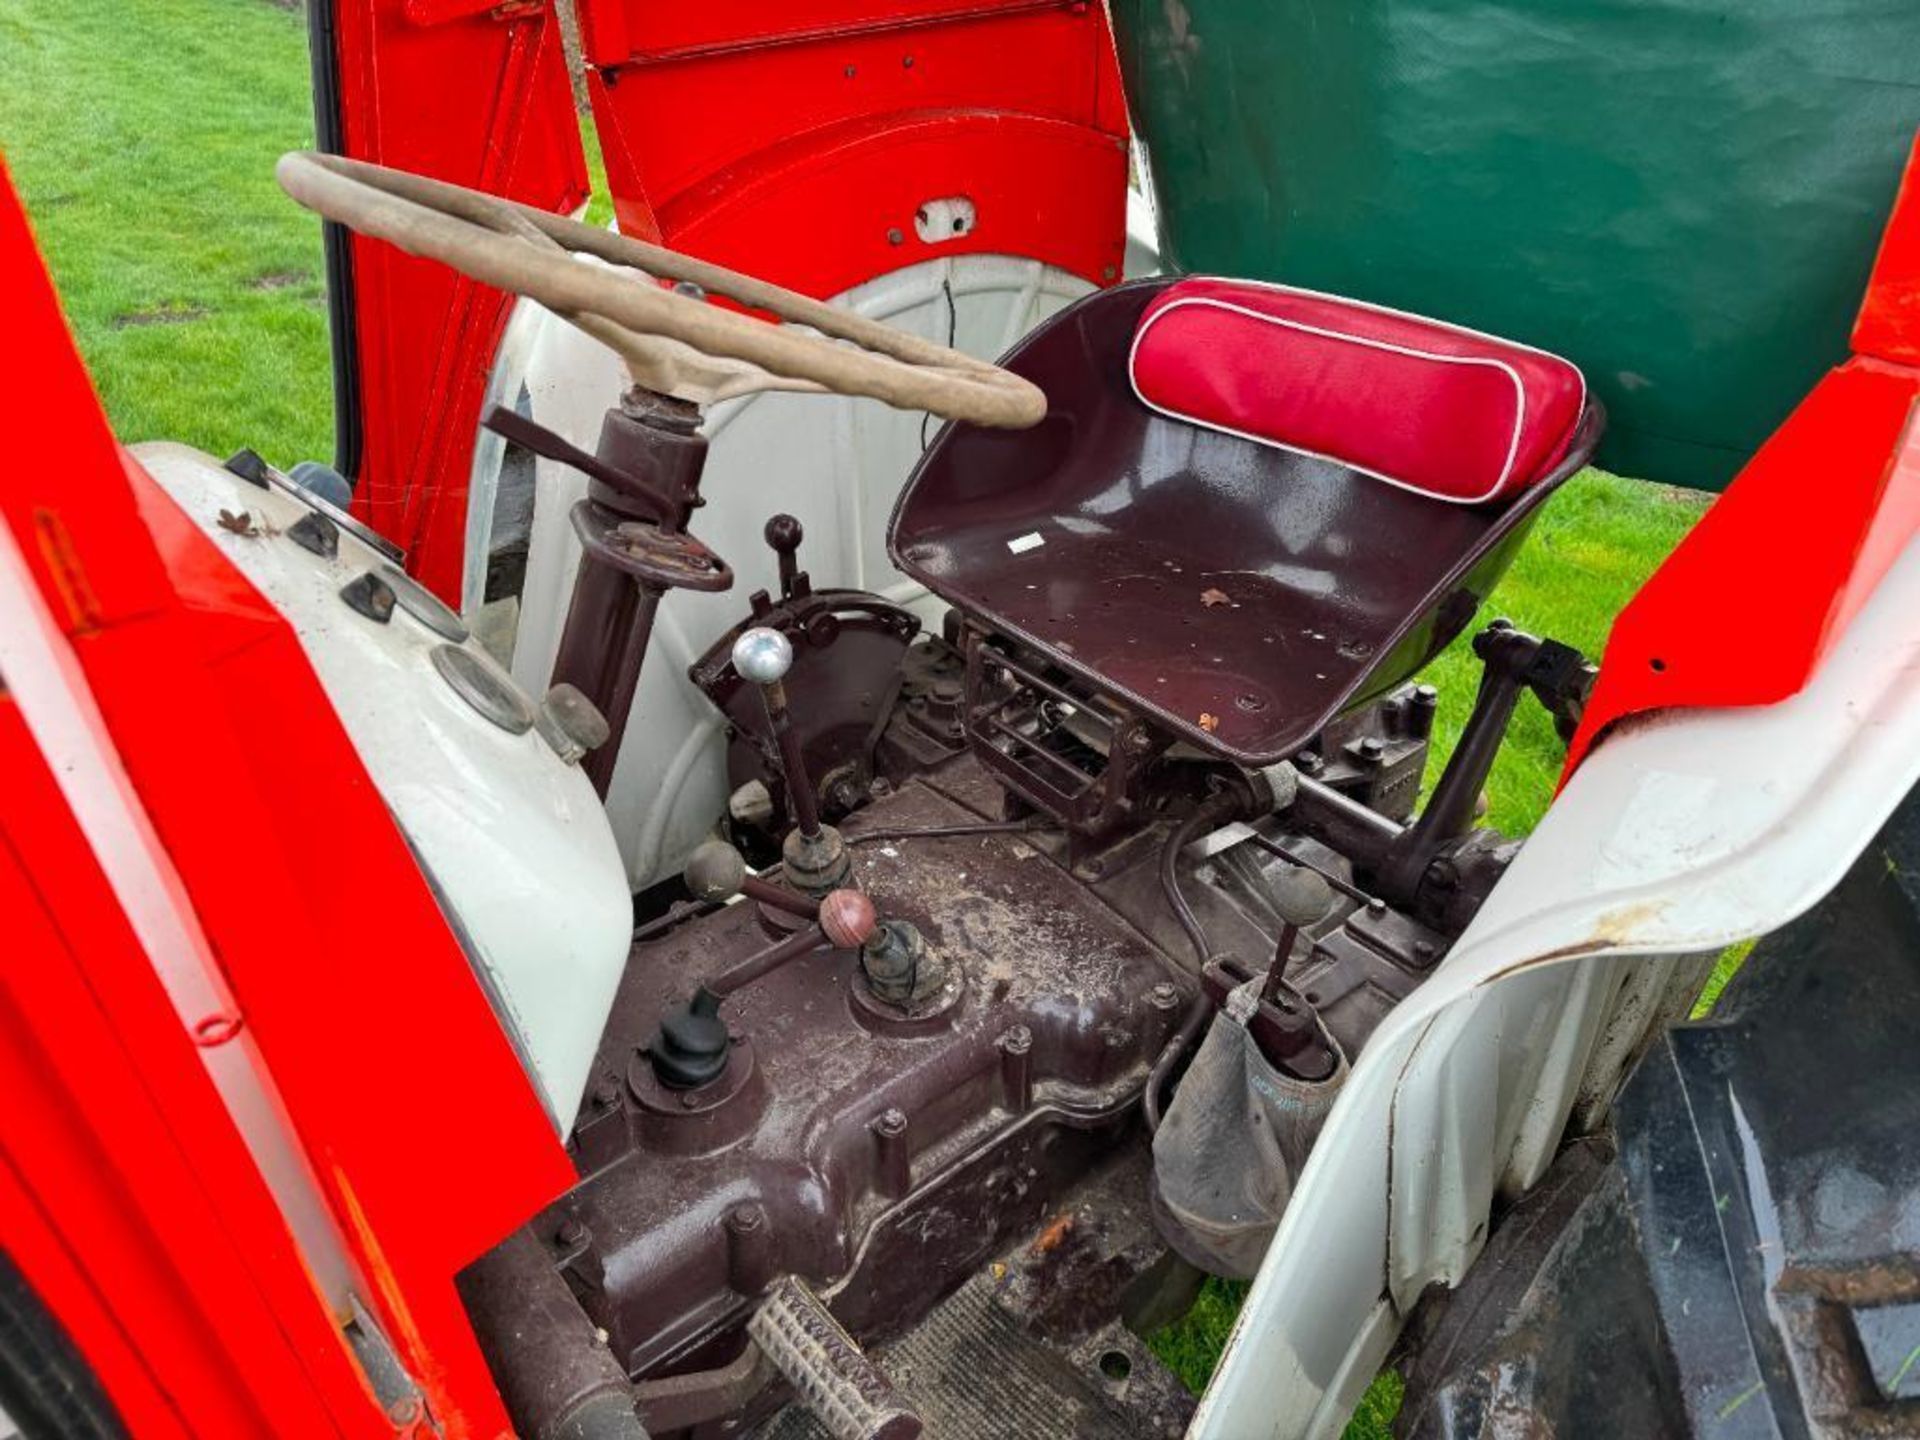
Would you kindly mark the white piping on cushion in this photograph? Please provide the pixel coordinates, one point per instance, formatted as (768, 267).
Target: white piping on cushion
(1212, 303)
(1277, 288)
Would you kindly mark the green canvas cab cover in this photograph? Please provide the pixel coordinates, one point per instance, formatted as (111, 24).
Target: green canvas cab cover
(1681, 196)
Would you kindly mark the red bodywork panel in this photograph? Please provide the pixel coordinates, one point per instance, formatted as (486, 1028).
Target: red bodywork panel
(825, 125)
(476, 94)
(1746, 607)
(791, 141)
(127, 1194)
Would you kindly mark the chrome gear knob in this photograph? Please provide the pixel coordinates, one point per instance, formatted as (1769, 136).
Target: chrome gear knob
(763, 655)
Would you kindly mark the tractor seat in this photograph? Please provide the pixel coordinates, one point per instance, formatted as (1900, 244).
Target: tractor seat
(1250, 507)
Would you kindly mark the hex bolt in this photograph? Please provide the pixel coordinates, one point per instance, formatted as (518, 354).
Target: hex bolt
(1164, 996)
(1016, 1068)
(893, 1165)
(569, 1233)
(750, 1257)
(404, 1412)
(1373, 747)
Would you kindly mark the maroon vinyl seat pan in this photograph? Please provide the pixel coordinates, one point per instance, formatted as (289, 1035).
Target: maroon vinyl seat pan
(1239, 594)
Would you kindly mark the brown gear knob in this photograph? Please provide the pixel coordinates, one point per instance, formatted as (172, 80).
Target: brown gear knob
(847, 919)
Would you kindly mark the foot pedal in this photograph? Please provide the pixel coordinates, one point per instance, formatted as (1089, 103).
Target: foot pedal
(832, 1376)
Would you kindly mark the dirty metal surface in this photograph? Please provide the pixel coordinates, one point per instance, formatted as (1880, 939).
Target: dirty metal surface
(1037, 1344)
(882, 1160)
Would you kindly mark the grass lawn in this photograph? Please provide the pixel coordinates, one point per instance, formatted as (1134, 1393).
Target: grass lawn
(142, 137)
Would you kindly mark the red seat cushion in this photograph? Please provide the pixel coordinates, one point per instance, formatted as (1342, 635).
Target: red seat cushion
(1430, 407)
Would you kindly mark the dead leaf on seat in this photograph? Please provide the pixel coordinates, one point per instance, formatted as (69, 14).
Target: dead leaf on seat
(1209, 722)
(1211, 598)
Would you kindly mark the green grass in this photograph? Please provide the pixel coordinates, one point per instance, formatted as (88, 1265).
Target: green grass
(142, 136)
(1594, 546)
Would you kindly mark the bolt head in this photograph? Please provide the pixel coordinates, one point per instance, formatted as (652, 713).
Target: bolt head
(744, 1219)
(763, 655)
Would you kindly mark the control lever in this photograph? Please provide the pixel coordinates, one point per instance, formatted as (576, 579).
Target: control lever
(717, 872)
(814, 856)
(784, 534)
(517, 429)
(1284, 1026)
(690, 1047)
(1302, 898)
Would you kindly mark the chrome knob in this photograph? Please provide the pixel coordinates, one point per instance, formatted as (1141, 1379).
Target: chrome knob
(763, 655)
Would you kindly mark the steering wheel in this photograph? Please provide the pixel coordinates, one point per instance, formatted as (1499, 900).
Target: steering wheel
(673, 342)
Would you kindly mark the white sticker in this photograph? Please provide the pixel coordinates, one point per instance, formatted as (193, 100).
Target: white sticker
(1020, 544)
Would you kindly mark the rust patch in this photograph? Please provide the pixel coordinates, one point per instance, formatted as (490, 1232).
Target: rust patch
(1613, 930)
(1878, 1282)
(1211, 597)
(1050, 1238)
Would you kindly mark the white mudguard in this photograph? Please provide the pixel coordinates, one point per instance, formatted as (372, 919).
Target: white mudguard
(1681, 834)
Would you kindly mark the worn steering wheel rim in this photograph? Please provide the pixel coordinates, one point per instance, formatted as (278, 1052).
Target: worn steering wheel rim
(531, 252)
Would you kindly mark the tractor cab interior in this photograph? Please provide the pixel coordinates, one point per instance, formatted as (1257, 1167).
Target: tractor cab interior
(902, 1071)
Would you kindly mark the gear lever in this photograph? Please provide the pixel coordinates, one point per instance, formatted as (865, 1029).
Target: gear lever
(814, 855)
(1284, 1026)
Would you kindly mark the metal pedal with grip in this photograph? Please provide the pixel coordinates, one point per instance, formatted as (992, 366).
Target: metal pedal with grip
(832, 1376)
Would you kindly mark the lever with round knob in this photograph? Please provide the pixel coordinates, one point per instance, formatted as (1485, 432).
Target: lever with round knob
(1284, 1025)
(1302, 899)
(783, 535)
(815, 856)
(690, 1047)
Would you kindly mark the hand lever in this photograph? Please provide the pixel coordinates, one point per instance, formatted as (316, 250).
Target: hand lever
(690, 1047)
(1284, 1026)
(512, 426)
(784, 534)
(815, 858)
(1302, 897)
(717, 871)
(764, 656)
